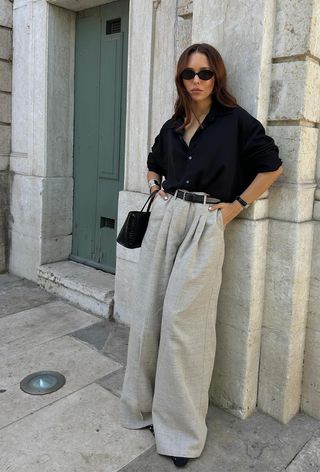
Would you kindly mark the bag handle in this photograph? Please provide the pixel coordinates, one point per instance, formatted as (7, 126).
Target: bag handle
(151, 197)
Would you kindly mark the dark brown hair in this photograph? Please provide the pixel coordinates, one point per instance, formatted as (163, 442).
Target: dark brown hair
(183, 103)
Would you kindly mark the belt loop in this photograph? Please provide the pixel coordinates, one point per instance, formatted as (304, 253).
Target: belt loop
(184, 195)
(204, 199)
(176, 194)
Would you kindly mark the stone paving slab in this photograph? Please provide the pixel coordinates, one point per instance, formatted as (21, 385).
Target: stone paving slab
(79, 433)
(23, 330)
(94, 335)
(308, 459)
(9, 279)
(18, 294)
(113, 382)
(79, 430)
(257, 444)
(108, 337)
(76, 361)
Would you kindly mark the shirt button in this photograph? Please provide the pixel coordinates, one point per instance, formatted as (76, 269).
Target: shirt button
(187, 181)
(190, 157)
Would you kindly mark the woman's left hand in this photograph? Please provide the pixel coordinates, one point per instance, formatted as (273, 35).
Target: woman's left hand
(228, 210)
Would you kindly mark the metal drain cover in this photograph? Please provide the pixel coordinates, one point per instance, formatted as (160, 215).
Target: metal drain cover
(40, 383)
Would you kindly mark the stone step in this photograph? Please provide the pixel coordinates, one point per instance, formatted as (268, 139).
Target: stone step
(88, 288)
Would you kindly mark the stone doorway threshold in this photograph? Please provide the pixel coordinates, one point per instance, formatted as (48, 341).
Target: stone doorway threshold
(88, 288)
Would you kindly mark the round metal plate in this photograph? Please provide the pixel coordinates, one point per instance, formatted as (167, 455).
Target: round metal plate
(42, 382)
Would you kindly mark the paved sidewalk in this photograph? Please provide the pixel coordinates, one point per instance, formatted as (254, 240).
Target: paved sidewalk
(76, 428)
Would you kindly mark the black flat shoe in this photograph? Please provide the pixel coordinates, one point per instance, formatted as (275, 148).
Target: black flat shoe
(150, 427)
(180, 461)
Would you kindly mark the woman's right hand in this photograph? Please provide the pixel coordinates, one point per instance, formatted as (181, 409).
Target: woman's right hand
(160, 192)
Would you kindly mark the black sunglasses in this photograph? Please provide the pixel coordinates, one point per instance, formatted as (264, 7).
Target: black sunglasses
(205, 74)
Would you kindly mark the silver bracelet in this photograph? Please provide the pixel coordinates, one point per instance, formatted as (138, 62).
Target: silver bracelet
(153, 182)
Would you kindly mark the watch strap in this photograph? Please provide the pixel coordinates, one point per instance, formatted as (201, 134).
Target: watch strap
(242, 202)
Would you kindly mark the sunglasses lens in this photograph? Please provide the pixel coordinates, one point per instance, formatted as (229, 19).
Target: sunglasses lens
(205, 74)
(187, 74)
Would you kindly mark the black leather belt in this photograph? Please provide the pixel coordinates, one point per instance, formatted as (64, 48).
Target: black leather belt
(194, 197)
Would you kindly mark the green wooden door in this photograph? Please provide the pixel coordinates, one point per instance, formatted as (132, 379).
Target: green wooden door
(99, 131)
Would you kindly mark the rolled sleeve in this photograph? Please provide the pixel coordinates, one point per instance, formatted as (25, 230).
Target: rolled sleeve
(155, 158)
(258, 151)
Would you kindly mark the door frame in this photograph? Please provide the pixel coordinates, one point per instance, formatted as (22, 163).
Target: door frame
(57, 25)
(102, 254)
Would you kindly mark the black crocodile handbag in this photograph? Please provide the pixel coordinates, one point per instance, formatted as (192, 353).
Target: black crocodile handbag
(132, 232)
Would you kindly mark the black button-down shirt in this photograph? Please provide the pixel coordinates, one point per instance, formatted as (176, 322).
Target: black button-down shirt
(223, 157)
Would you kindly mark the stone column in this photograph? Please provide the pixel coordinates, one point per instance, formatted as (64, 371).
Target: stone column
(310, 49)
(310, 397)
(5, 122)
(249, 25)
(150, 101)
(42, 131)
(294, 118)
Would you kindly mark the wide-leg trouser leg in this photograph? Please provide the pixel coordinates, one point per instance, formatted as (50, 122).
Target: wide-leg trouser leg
(172, 340)
(155, 263)
(188, 340)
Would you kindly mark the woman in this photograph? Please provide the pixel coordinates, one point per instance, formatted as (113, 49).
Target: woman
(216, 160)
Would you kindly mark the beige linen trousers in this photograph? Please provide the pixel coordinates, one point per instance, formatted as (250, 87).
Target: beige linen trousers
(172, 338)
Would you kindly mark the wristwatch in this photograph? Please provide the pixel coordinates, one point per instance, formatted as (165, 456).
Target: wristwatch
(242, 202)
(153, 182)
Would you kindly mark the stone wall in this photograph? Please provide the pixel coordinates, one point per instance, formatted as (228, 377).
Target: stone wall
(235, 378)
(308, 169)
(272, 249)
(5, 122)
(294, 116)
(42, 136)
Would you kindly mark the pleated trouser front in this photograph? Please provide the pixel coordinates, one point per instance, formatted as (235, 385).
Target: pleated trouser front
(172, 339)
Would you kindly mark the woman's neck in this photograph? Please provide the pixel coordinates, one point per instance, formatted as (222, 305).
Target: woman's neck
(200, 109)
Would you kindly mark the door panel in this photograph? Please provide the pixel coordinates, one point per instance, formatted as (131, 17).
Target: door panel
(100, 103)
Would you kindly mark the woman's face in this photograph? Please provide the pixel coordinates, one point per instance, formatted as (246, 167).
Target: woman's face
(198, 89)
